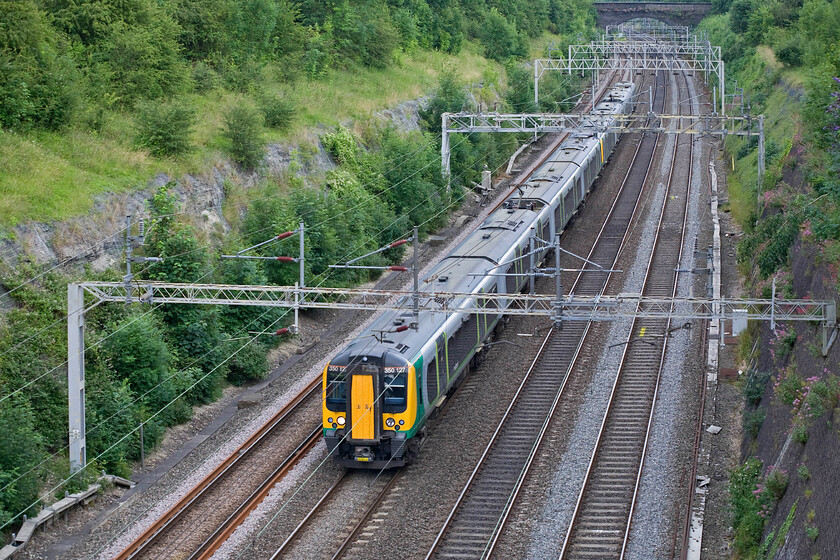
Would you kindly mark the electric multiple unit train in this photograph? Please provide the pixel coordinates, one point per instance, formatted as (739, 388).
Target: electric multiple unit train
(381, 389)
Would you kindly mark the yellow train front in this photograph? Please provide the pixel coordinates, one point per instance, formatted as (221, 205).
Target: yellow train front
(370, 408)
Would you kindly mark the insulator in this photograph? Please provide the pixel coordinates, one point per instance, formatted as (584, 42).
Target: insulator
(286, 259)
(398, 268)
(398, 243)
(402, 328)
(282, 331)
(285, 235)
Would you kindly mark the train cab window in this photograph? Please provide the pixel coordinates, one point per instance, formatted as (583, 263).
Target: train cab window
(394, 396)
(336, 391)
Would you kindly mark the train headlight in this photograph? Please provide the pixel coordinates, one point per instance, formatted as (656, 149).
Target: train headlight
(340, 420)
(390, 422)
(330, 420)
(402, 422)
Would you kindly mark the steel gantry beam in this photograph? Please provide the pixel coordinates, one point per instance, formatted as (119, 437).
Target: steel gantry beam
(650, 28)
(712, 125)
(574, 307)
(551, 306)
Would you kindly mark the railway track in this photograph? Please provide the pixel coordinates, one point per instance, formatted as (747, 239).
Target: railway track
(342, 490)
(477, 519)
(203, 519)
(600, 525)
(198, 524)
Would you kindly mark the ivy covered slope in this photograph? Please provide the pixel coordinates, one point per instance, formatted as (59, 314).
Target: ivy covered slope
(100, 95)
(786, 56)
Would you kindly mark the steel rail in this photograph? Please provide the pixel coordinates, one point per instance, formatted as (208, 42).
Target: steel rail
(599, 533)
(668, 323)
(496, 530)
(165, 523)
(312, 512)
(217, 539)
(351, 538)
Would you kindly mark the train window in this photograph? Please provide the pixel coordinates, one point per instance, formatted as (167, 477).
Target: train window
(336, 391)
(510, 279)
(394, 394)
(431, 380)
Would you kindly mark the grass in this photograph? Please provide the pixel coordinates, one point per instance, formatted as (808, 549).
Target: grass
(48, 176)
(780, 125)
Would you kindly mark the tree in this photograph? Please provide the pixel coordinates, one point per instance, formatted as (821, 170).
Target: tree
(739, 15)
(37, 84)
(500, 38)
(143, 62)
(21, 450)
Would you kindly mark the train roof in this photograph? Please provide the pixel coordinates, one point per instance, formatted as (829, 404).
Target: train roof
(490, 244)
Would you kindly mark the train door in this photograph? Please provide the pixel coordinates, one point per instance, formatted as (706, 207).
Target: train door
(364, 404)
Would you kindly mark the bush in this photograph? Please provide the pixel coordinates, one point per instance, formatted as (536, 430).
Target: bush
(746, 503)
(205, 78)
(753, 421)
(789, 53)
(812, 531)
(37, 81)
(278, 112)
(755, 386)
(800, 433)
(776, 483)
(164, 128)
(243, 129)
(788, 385)
(249, 364)
(803, 472)
(21, 449)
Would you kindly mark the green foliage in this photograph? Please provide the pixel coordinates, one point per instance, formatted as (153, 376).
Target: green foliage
(822, 397)
(341, 144)
(21, 450)
(803, 472)
(781, 535)
(739, 15)
(243, 130)
(753, 421)
(788, 386)
(755, 385)
(164, 128)
(768, 245)
(812, 532)
(278, 112)
(37, 82)
(776, 483)
(139, 356)
(500, 38)
(799, 432)
(143, 62)
(450, 97)
(745, 504)
(249, 363)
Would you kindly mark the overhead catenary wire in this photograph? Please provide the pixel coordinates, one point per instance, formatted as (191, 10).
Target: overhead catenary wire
(153, 416)
(327, 273)
(168, 404)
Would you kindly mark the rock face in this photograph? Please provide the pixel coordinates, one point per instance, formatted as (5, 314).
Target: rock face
(98, 239)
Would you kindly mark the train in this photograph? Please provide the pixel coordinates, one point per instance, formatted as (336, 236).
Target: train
(382, 388)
